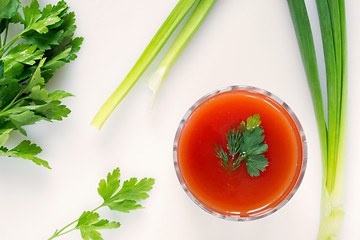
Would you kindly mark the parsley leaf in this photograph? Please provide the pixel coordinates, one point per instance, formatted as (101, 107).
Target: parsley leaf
(39, 21)
(59, 94)
(253, 122)
(89, 223)
(8, 9)
(109, 186)
(133, 189)
(4, 136)
(22, 119)
(27, 62)
(125, 198)
(252, 142)
(245, 143)
(25, 150)
(118, 198)
(18, 56)
(255, 164)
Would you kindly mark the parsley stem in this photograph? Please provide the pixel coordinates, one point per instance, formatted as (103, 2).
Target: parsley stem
(20, 109)
(13, 102)
(58, 233)
(102, 205)
(6, 31)
(24, 88)
(61, 231)
(66, 232)
(6, 47)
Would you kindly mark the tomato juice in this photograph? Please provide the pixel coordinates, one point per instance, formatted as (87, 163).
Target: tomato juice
(235, 194)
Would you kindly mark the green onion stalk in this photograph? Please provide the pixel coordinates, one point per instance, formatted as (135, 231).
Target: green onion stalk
(155, 80)
(333, 132)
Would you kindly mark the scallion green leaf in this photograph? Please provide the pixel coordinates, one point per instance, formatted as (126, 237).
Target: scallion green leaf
(199, 14)
(333, 31)
(156, 44)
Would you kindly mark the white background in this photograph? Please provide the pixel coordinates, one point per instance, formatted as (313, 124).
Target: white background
(240, 42)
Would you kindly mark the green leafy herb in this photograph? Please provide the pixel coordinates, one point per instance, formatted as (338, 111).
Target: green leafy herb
(245, 143)
(333, 132)
(123, 198)
(156, 44)
(47, 43)
(220, 153)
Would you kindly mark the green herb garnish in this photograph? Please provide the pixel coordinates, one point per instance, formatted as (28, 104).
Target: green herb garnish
(116, 198)
(244, 143)
(27, 62)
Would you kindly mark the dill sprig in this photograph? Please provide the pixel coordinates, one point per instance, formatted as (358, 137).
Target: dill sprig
(220, 153)
(233, 140)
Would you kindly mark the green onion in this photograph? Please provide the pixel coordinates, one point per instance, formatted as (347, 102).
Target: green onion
(307, 50)
(156, 44)
(332, 134)
(199, 14)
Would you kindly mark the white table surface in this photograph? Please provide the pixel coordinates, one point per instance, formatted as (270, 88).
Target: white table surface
(240, 42)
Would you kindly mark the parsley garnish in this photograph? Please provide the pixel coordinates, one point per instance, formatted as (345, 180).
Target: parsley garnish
(116, 198)
(27, 62)
(244, 143)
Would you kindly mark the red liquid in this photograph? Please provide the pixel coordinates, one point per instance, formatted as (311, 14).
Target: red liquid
(236, 193)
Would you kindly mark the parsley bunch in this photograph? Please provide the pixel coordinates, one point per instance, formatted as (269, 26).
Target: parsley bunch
(116, 198)
(245, 143)
(27, 62)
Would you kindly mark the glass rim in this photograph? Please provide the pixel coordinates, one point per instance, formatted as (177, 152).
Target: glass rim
(295, 186)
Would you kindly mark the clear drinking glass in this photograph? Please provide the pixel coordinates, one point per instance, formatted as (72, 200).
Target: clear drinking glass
(196, 191)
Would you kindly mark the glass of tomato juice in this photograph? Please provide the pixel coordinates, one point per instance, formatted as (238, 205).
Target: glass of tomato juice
(237, 195)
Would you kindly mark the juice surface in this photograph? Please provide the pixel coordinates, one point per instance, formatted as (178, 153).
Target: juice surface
(237, 192)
